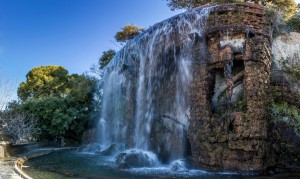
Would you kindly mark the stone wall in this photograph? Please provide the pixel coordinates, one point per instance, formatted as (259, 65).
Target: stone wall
(228, 93)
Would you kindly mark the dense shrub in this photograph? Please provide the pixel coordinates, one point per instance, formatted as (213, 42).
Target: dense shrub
(294, 23)
(286, 113)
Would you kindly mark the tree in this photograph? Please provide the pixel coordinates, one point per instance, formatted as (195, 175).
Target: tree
(294, 22)
(66, 116)
(106, 58)
(20, 127)
(58, 116)
(128, 32)
(289, 7)
(7, 87)
(44, 81)
(65, 111)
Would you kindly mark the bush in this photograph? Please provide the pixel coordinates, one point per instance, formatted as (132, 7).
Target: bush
(20, 127)
(127, 33)
(294, 23)
(294, 71)
(106, 57)
(282, 94)
(66, 114)
(286, 113)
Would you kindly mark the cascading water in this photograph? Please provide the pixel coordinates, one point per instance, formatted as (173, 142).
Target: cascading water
(145, 101)
(109, 125)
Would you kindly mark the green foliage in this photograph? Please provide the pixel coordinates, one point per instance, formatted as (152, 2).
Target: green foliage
(288, 7)
(106, 57)
(294, 71)
(44, 81)
(287, 113)
(128, 32)
(57, 116)
(294, 22)
(239, 106)
(281, 94)
(285, 106)
(65, 113)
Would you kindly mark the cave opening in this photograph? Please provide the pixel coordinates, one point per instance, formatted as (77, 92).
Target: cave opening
(221, 102)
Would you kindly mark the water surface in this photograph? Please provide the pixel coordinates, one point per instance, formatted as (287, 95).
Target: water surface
(76, 165)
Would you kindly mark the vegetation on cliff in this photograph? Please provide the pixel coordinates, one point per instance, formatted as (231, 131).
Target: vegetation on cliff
(106, 57)
(294, 22)
(286, 99)
(127, 33)
(284, 126)
(286, 9)
(284, 123)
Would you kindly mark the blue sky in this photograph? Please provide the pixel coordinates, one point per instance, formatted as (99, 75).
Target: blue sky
(71, 33)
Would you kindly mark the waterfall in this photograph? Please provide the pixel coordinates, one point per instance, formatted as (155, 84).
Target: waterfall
(145, 93)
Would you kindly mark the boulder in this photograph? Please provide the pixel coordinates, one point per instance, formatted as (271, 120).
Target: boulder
(178, 165)
(112, 149)
(136, 159)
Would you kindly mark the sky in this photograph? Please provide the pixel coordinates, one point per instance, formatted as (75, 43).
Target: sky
(70, 33)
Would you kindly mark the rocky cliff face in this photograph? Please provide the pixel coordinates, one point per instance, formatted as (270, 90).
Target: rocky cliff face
(196, 85)
(286, 55)
(284, 128)
(228, 127)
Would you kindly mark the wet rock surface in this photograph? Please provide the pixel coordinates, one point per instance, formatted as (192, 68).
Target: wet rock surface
(164, 129)
(285, 144)
(135, 159)
(228, 131)
(284, 131)
(112, 149)
(178, 165)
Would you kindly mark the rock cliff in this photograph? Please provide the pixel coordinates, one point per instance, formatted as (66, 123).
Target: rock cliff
(198, 86)
(229, 99)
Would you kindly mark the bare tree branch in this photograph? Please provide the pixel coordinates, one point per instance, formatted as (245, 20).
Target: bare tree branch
(20, 127)
(7, 88)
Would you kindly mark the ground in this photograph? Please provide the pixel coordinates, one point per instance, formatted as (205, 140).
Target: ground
(6, 169)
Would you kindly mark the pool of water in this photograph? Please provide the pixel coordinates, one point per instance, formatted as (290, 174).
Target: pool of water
(71, 164)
